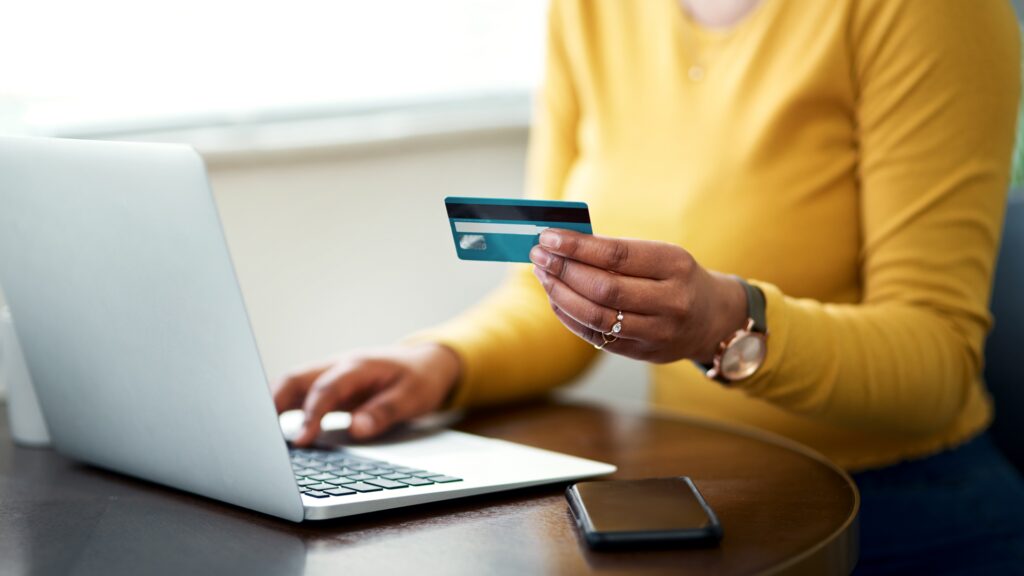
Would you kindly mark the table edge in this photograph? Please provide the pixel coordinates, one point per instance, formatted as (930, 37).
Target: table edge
(845, 535)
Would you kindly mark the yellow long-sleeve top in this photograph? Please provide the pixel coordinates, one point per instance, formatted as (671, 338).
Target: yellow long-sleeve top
(849, 157)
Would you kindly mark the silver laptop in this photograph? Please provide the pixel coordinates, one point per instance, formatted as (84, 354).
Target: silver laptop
(115, 267)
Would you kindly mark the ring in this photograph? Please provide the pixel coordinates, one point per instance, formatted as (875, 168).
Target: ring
(611, 335)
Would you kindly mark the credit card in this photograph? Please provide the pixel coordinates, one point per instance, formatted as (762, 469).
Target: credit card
(505, 229)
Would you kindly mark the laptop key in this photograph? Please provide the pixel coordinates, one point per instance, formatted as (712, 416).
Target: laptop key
(406, 470)
(362, 487)
(424, 474)
(389, 484)
(341, 480)
(325, 476)
(340, 491)
(363, 467)
(360, 477)
(395, 476)
(444, 479)
(307, 472)
(307, 482)
(414, 481)
(379, 471)
(321, 486)
(316, 494)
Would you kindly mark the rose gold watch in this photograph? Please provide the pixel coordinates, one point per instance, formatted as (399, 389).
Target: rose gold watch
(741, 355)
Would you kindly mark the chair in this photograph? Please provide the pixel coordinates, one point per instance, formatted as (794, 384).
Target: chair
(1004, 350)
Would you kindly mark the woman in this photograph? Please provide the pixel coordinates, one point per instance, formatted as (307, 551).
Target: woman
(825, 178)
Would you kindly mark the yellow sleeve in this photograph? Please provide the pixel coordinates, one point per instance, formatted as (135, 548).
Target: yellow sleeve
(938, 88)
(511, 344)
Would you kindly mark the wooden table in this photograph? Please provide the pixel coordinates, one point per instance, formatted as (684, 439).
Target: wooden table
(784, 510)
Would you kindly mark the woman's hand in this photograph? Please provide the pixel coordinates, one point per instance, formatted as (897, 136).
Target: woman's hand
(672, 308)
(380, 387)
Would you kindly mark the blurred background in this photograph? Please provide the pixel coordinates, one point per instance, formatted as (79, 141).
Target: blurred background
(332, 131)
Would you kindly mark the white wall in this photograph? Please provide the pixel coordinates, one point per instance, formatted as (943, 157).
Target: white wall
(351, 247)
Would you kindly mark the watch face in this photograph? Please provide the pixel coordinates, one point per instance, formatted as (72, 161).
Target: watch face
(744, 356)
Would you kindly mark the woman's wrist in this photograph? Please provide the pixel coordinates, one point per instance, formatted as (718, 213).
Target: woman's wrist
(447, 366)
(728, 313)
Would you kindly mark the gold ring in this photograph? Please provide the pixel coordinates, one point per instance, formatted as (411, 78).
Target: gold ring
(611, 335)
(617, 327)
(606, 340)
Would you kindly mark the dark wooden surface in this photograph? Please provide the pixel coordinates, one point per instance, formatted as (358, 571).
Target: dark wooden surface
(783, 511)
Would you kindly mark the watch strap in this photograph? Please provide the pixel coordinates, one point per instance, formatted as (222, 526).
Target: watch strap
(756, 306)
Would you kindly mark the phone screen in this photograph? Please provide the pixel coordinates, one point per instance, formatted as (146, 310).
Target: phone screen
(660, 504)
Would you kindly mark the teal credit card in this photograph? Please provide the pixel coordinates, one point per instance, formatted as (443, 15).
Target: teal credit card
(504, 229)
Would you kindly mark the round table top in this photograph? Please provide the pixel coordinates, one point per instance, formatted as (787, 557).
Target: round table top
(784, 510)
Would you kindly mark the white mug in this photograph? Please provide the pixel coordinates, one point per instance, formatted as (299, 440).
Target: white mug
(27, 425)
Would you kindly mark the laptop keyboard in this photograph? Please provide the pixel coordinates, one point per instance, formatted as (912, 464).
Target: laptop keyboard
(331, 473)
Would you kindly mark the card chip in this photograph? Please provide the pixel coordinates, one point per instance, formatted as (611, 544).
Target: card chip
(472, 242)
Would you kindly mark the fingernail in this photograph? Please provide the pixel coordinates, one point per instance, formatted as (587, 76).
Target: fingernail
(362, 424)
(550, 239)
(540, 257)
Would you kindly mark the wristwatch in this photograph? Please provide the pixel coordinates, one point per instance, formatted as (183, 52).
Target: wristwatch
(740, 355)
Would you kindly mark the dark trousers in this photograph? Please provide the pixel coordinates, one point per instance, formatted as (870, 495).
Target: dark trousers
(958, 512)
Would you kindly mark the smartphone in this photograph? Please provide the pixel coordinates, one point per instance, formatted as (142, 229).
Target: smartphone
(640, 513)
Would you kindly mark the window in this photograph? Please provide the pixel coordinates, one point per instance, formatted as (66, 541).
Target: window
(107, 66)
